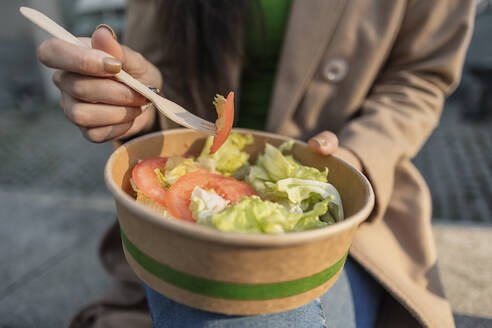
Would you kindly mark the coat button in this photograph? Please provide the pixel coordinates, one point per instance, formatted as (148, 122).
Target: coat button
(335, 69)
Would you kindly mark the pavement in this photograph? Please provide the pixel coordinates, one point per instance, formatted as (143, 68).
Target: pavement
(55, 207)
(50, 266)
(456, 162)
(466, 270)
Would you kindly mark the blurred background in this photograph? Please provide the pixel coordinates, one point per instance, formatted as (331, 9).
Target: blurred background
(54, 205)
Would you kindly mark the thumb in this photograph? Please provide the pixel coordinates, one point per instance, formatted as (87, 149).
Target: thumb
(325, 143)
(104, 39)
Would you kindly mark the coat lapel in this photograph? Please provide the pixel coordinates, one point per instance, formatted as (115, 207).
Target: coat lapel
(309, 30)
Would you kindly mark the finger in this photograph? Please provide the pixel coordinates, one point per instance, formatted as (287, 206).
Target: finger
(325, 143)
(96, 115)
(59, 54)
(104, 38)
(143, 122)
(97, 90)
(137, 66)
(105, 133)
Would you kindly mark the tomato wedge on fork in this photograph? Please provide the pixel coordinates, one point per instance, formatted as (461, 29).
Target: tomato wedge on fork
(225, 111)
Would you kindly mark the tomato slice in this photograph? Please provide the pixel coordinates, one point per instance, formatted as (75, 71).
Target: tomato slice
(226, 116)
(179, 195)
(146, 180)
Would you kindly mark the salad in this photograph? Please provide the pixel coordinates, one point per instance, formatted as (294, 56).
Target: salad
(221, 189)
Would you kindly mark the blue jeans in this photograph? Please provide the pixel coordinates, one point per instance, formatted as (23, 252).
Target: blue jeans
(353, 301)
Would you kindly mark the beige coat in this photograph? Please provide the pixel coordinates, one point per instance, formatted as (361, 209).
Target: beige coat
(376, 73)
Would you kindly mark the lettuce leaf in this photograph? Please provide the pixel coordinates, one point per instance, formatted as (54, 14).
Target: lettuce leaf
(279, 166)
(176, 166)
(276, 164)
(257, 177)
(229, 158)
(147, 201)
(253, 215)
(297, 190)
(309, 223)
(219, 103)
(150, 203)
(311, 219)
(306, 193)
(280, 178)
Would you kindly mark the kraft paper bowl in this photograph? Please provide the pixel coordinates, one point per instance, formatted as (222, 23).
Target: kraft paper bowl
(233, 273)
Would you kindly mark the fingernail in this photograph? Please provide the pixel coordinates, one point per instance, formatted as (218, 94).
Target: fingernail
(323, 144)
(111, 65)
(109, 28)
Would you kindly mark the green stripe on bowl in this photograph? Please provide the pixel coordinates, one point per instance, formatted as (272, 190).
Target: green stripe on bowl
(228, 290)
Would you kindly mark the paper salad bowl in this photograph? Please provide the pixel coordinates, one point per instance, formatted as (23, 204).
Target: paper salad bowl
(233, 273)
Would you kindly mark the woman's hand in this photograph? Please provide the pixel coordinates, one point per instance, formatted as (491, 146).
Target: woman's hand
(326, 143)
(100, 106)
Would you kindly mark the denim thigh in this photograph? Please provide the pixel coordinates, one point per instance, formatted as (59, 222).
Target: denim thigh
(353, 301)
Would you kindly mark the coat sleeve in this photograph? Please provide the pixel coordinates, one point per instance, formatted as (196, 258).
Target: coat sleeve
(405, 102)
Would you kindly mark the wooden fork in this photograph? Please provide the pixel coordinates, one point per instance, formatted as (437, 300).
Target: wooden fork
(170, 109)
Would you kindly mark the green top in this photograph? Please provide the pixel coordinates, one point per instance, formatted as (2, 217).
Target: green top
(263, 42)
